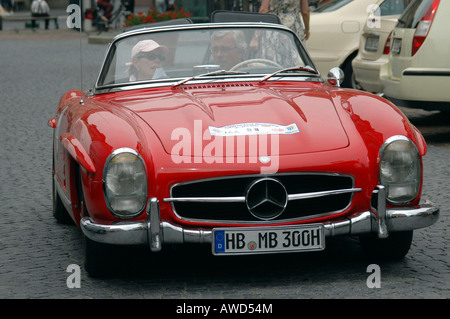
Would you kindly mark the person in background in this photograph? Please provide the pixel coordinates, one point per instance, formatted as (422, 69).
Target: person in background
(40, 8)
(107, 7)
(8, 7)
(289, 12)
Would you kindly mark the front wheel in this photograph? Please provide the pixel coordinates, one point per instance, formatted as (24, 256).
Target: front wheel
(396, 246)
(59, 211)
(96, 258)
(96, 255)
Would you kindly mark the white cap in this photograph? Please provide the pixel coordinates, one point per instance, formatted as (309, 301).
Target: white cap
(148, 46)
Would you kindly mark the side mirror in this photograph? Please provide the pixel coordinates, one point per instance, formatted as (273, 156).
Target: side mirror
(335, 77)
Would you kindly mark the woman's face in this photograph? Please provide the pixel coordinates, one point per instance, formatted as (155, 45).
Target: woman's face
(146, 63)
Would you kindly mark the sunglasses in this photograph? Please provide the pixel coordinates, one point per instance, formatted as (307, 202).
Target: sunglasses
(216, 49)
(151, 56)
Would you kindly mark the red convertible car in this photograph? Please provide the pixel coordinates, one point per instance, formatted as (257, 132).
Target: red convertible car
(225, 134)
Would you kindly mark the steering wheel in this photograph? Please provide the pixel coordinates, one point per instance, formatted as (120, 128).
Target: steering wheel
(247, 63)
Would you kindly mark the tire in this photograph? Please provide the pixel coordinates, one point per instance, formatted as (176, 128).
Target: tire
(59, 211)
(97, 256)
(395, 247)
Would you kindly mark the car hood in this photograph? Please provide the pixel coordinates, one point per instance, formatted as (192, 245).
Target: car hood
(196, 119)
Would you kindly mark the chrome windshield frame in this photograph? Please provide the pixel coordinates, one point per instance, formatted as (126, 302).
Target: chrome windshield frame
(101, 89)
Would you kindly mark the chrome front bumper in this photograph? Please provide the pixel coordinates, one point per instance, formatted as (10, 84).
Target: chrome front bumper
(156, 233)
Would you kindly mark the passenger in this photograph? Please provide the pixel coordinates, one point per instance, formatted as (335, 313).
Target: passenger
(147, 58)
(228, 48)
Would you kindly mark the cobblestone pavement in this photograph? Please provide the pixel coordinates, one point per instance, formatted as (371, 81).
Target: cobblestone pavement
(35, 251)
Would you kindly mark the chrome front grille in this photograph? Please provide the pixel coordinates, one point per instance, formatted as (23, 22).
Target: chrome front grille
(256, 198)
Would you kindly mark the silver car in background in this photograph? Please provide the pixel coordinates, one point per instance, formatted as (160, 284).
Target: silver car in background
(375, 45)
(418, 70)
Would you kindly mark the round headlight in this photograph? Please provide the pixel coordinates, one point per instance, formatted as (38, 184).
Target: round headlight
(125, 183)
(400, 170)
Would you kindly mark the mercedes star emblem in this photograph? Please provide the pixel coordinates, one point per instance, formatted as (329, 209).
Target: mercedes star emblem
(266, 198)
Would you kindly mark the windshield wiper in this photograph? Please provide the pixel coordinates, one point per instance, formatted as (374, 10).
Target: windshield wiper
(217, 72)
(296, 68)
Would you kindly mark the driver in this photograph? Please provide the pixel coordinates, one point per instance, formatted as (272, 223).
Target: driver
(228, 48)
(147, 58)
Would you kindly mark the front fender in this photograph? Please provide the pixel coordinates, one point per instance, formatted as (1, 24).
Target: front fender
(85, 135)
(372, 120)
(95, 130)
(375, 118)
(73, 146)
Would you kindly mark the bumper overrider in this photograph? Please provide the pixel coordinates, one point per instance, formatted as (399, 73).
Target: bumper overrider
(153, 232)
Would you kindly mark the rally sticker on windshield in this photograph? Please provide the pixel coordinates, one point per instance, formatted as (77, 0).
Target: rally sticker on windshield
(253, 129)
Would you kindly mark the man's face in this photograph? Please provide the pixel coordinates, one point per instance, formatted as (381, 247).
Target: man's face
(225, 52)
(146, 64)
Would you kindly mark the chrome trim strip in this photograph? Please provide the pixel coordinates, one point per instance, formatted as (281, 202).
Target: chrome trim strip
(59, 189)
(392, 139)
(381, 212)
(241, 199)
(231, 199)
(200, 26)
(153, 224)
(323, 193)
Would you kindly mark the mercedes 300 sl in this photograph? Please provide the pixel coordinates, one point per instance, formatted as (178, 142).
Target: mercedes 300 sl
(225, 134)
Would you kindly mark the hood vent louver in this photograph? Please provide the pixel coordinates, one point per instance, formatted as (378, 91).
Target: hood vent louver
(216, 85)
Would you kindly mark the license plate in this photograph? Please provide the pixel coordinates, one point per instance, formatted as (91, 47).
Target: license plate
(396, 46)
(371, 44)
(254, 240)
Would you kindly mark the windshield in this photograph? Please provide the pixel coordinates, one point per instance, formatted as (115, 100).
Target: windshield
(393, 7)
(179, 53)
(414, 13)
